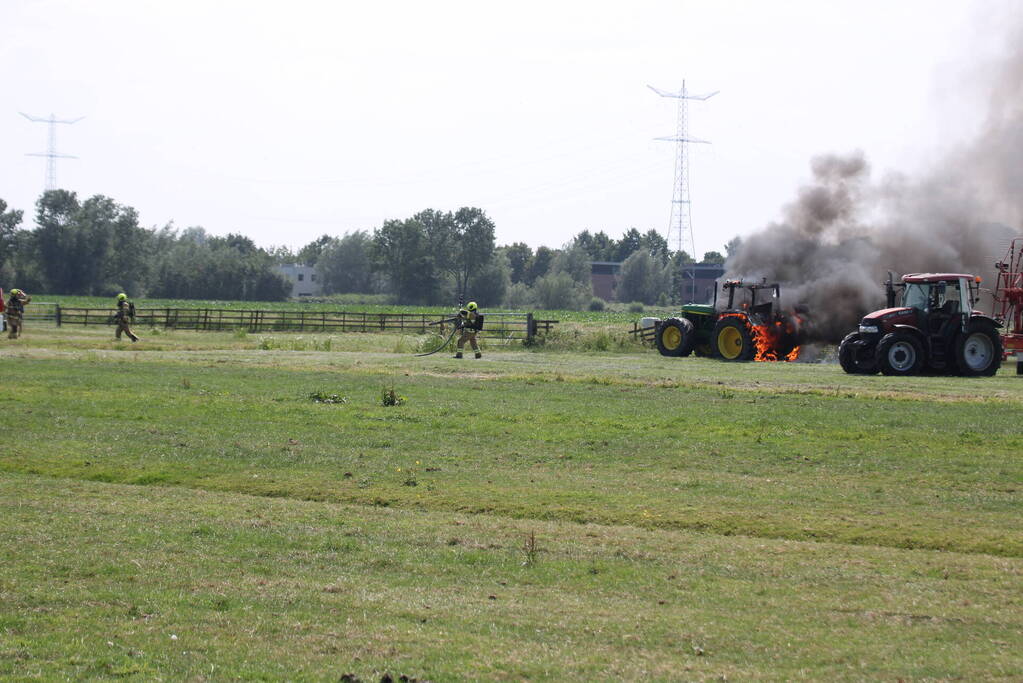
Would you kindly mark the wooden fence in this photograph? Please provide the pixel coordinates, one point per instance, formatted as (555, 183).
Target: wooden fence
(645, 334)
(497, 326)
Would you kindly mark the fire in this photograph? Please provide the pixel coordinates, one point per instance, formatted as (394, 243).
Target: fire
(770, 339)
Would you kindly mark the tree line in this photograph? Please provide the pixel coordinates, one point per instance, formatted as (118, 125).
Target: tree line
(97, 247)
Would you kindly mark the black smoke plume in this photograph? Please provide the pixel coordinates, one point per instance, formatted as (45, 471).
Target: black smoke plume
(835, 242)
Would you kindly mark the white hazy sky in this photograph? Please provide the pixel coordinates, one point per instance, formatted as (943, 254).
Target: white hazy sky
(287, 120)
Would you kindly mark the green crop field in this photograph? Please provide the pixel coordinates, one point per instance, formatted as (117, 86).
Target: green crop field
(208, 506)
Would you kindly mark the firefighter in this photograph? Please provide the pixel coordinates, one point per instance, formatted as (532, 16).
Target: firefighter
(471, 321)
(124, 316)
(16, 312)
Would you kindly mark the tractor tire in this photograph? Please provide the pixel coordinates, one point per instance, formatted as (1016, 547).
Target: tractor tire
(978, 351)
(855, 359)
(899, 354)
(731, 340)
(675, 337)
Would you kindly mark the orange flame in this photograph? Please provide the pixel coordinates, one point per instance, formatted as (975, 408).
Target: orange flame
(768, 338)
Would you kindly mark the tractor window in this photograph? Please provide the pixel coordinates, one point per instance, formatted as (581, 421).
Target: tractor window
(953, 299)
(915, 295)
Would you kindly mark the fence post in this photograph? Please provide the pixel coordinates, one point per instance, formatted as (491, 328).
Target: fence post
(530, 329)
(58, 315)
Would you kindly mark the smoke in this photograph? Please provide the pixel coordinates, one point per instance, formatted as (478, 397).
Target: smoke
(844, 230)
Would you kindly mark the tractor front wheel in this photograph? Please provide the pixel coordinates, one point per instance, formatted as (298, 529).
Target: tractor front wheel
(978, 351)
(732, 340)
(899, 353)
(855, 358)
(675, 337)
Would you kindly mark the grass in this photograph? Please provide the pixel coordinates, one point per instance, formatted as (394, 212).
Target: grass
(573, 515)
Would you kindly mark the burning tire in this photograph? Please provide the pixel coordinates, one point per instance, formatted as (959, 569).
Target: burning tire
(854, 357)
(675, 337)
(731, 340)
(978, 351)
(899, 353)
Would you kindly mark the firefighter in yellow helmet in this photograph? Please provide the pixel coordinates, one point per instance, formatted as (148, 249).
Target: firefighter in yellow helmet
(471, 321)
(124, 316)
(15, 312)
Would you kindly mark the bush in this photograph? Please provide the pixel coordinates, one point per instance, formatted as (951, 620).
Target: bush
(596, 304)
(635, 307)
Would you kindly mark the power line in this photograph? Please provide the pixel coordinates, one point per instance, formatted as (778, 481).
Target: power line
(51, 153)
(680, 228)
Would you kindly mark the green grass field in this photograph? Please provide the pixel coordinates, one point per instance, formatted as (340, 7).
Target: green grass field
(183, 508)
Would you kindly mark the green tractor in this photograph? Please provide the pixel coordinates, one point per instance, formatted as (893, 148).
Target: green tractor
(751, 330)
(690, 330)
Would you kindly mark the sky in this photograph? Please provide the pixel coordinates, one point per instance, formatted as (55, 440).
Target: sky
(286, 121)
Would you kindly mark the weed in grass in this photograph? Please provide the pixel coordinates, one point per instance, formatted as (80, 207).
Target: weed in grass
(391, 398)
(529, 549)
(240, 333)
(186, 383)
(324, 397)
(410, 476)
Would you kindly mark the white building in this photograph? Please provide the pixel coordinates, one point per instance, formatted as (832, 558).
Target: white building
(302, 278)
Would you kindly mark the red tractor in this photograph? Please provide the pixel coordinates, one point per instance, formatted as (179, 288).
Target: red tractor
(933, 328)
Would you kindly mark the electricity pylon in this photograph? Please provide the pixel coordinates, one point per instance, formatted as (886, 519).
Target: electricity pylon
(680, 228)
(51, 153)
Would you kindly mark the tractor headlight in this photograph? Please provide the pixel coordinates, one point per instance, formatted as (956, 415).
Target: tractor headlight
(868, 329)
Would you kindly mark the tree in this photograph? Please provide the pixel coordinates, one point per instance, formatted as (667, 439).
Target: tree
(9, 222)
(631, 242)
(558, 291)
(713, 257)
(488, 285)
(539, 264)
(472, 245)
(642, 278)
(344, 265)
(53, 240)
(401, 250)
(574, 261)
(656, 245)
(310, 253)
(519, 255)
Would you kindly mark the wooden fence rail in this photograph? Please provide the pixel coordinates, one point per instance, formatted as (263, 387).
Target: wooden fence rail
(497, 326)
(645, 334)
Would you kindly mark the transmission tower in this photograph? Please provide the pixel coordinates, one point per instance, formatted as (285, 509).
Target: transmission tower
(680, 228)
(51, 153)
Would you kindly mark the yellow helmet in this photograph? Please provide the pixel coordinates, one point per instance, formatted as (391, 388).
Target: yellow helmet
(15, 291)
(122, 297)
(471, 306)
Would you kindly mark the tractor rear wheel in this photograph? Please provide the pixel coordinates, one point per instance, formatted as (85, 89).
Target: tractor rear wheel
(978, 351)
(899, 353)
(731, 340)
(854, 358)
(675, 337)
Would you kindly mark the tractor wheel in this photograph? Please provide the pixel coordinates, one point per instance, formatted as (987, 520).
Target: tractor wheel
(978, 351)
(899, 353)
(675, 337)
(856, 359)
(732, 340)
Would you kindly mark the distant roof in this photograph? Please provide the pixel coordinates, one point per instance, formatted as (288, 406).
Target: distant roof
(934, 277)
